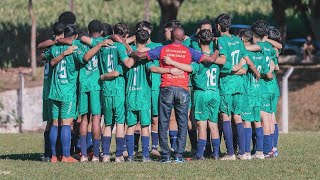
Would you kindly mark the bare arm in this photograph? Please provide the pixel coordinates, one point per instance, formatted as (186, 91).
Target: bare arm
(86, 40)
(160, 70)
(109, 76)
(67, 52)
(131, 39)
(93, 51)
(182, 66)
(237, 67)
(252, 67)
(46, 44)
(117, 38)
(221, 60)
(274, 43)
(66, 41)
(253, 47)
(242, 71)
(139, 55)
(128, 62)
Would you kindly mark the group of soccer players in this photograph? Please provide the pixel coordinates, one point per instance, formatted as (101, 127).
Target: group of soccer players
(90, 76)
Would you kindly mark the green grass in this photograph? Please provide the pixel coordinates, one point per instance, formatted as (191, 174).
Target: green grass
(299, 159)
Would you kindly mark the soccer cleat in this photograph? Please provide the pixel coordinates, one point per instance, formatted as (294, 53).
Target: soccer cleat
(179, 160)
(154, 152)
(119, 159)
(258, 156)
(129, 159)
(146, 159)
(68, 159)
(125, 154)
(242, 157)
(215, 157)
(45, 159)
(249, 157)
(54, 159)
(229, 158)
(165, 160)
(84, 159)
(275, 153)
(95, 159)
(106, 158)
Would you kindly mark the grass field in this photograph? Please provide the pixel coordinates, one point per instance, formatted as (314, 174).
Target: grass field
(299, 159)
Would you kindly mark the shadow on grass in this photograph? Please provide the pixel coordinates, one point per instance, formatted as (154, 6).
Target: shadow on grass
(23, 157)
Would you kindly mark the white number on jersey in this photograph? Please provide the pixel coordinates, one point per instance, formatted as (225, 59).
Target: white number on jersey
(211, 77)
(135, 76)
(110, 63)
(46, 69)
(93, 63)
(63, 69)
(268, 61)
(235, 57)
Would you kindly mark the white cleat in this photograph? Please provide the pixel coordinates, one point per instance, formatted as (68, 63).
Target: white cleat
(229, 158)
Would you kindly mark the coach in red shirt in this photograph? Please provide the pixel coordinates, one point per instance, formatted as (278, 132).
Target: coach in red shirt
(174, 91)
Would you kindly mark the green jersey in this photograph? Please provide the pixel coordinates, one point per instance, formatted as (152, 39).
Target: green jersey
(233, 49)
(155, 77)
(108, 59)
(138, 87)
(89, 73)
(270, 54)
(47, 76)
(65, 75)
(251, 85)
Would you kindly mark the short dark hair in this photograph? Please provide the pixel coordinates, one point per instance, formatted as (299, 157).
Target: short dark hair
(205, 36)
(107, 30)
(121, 29)
(142, 36)
(144, 24)
(260, 28)
(274, 34)
(67, 17)
(94, 26)
(203, 22)
(224, 21)
(172, 24)
(247, 35)
(70, 30)
(58, 28)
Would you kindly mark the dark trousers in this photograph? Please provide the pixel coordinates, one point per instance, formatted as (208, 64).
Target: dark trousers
(177, 98)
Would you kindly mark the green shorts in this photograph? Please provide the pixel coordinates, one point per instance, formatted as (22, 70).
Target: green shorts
(89, 102)
(113, 109)
(155, 102)
(251, 108)
(46, 110)
(274, 103)
(206, 105)
(63, 110)
(231, 103)
(266, 100)
(140, 115)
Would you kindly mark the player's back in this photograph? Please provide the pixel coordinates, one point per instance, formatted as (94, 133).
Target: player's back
(233, 49)
(155, 77)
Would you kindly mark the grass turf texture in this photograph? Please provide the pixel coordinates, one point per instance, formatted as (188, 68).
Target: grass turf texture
(299, 159)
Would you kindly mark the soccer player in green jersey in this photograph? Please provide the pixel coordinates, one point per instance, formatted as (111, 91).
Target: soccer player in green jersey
(63, 92)
(260, 29)
(46, 104)
(195, 43)
(113, 91)
(232, 49)
(252, 93)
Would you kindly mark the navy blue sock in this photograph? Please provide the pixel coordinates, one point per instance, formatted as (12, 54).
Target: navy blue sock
(266, 144)
(125, 144)
(173, 139)
(96, 147)
(216, 147)
(89, 141)
(241, 141)
(272, 137)
(145, 140)
(83, 145)
(248, 137)
(53, 139)
(193, 138)
(200, 147)
(155, 140)
(227, 131)
(276, 136)
(66, 140)
(106, 141)
(47, 152)
(119, 146)
(130, 145)
(259, 139)
(136, 141)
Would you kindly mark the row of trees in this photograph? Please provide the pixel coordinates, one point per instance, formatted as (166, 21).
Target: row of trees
(308, 10)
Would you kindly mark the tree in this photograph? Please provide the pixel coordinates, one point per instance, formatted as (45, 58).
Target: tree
(169, 11)
(33, 40)
(146, 10)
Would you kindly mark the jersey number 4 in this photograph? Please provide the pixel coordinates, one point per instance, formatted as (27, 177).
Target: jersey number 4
(211, 77)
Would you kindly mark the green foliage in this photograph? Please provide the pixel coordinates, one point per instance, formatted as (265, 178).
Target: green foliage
(299, 159)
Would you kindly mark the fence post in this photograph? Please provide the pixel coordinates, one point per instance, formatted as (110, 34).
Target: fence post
(285, 113)
(20, 101)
